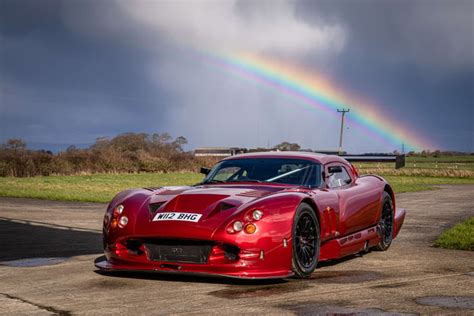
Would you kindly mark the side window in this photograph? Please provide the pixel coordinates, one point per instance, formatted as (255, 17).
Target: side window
(339, 179)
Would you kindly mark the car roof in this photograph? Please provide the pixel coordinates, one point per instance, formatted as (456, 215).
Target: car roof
(316, 157)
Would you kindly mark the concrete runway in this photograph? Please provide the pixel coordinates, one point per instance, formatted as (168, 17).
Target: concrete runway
(47, 253)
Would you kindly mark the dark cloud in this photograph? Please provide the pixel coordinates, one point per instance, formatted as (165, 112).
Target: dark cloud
(435, 34)
(416, 58)
(75, 70)
(19, 18)
(62, 86)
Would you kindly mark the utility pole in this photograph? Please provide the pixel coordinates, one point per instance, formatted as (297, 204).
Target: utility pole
(343, 111)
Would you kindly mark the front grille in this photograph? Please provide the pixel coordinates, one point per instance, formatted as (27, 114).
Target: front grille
(178, 251)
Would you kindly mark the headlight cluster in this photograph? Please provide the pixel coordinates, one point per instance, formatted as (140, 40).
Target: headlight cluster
(118, 218)
(247, 226)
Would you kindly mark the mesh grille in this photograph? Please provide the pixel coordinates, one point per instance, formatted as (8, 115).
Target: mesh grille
(178, 251)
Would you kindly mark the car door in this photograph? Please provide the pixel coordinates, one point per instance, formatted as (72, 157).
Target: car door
(357, 203)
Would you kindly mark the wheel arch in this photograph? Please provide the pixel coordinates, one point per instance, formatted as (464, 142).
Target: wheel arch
(315, 208)
(389, 190)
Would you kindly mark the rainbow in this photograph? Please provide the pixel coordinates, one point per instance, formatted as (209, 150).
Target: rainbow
(314, 92)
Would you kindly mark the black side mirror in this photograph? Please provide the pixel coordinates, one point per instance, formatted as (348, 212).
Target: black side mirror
(205, 170)
(334, 169)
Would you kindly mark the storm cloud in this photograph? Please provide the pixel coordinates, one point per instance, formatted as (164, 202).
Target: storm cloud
(71, 71)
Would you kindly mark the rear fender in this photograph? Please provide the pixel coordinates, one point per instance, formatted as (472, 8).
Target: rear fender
(399, 219)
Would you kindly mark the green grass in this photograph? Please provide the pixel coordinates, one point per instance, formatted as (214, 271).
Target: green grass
(402, 184)
(444, 163)
(102, 187)
(89, 188)
(459, 237)
(446, 159)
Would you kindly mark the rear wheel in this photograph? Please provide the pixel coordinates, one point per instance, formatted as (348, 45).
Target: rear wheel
(385, 225)
(306, 241)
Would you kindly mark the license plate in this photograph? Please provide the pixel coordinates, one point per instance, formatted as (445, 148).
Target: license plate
(177, 216)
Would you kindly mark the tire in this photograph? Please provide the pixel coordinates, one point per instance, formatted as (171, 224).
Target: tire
(385, 225)
(306, 241)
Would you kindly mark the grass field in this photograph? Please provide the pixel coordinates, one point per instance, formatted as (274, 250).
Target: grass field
(89, 188)
(459, 237)
(456, 165)
(102, 187)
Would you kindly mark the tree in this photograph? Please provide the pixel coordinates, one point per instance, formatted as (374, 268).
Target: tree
(286, 146)
(179, 142)
(15, 144)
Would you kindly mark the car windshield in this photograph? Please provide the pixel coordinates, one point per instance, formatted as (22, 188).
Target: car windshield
(274, 170)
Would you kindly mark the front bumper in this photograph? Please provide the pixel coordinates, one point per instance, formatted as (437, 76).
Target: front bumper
(187, 269)
(250, 263)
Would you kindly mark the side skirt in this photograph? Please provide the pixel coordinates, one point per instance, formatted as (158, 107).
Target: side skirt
(357, 242)
(348, 245)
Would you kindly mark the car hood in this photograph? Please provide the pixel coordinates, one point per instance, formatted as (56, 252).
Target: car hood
(209, 199)
(214, 203)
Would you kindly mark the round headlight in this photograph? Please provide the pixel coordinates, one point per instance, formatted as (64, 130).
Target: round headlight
(257, 215)
(123, 221)
(120, 208)
(237, 226)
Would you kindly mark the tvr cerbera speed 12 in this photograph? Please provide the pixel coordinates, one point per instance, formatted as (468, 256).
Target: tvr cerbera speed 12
(260, 215)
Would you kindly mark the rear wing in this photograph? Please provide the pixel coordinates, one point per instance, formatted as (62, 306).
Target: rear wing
(398, 159)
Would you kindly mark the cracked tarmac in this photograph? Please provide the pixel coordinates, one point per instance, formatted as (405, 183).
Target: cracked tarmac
(47, 251)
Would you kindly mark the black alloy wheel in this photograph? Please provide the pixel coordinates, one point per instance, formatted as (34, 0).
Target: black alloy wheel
(306, 241)
(386, 223)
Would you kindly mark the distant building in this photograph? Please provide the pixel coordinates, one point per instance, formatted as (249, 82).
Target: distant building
(219, 151)
(329, 151)
(231, 151)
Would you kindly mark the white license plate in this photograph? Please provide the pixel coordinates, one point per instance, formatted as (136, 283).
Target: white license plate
(177, 216)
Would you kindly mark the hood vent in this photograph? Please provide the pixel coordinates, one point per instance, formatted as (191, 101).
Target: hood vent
(171, 191)
(254, 193)
(153, 207)
(152, 189)
(225, 206)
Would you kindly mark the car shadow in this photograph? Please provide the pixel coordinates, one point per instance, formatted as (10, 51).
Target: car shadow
(332, 262)
(183, 277)
(40, 240)
(180, 277)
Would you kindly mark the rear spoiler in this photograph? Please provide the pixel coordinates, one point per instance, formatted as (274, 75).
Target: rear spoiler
(398, 159)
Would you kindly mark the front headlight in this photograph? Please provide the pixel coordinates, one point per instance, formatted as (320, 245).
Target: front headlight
(237, 226)
(257, 215)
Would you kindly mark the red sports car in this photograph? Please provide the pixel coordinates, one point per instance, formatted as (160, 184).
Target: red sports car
(260, 215)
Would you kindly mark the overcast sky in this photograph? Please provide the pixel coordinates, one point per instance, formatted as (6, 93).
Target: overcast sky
(72, 71)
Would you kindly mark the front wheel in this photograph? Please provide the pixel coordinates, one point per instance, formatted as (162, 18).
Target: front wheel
(385, 225)
(306, 241)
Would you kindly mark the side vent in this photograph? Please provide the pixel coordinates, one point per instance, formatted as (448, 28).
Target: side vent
(155, 206)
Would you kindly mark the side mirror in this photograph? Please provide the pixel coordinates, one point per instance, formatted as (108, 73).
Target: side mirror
(334, 169)
(205, 170)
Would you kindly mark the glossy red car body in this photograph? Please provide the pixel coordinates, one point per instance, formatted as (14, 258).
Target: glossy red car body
(348, 218)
